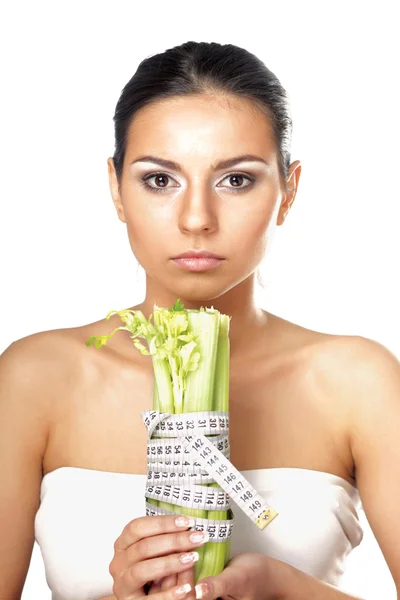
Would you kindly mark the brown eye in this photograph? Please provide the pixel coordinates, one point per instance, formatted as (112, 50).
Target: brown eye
(236, 182)
(160, 180)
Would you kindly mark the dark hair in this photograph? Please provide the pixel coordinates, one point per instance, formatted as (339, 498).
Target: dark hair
(205, 68)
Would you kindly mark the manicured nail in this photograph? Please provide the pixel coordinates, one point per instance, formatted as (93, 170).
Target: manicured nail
(182, 590)
(189, 557)
(199, 537)
(201, 590)
(184, 521)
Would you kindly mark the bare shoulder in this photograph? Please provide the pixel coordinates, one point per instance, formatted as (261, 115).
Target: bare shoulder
(332, 356)
(40, 359)
(30, 371)
(51, 367)
(336, 369)
(345, 368)
(351, 359)
(47, 355)
(45, 366)
(29, 362)
(361, 369)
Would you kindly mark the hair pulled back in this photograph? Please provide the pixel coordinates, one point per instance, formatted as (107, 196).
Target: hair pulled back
(206, 68)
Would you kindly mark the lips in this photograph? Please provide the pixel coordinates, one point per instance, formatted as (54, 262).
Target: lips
(198, 263)
(199, 254)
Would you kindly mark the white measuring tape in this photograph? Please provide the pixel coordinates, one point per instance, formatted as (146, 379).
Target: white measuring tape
(179, 456)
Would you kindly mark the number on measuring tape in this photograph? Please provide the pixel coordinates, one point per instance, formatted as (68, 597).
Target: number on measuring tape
(182, 461)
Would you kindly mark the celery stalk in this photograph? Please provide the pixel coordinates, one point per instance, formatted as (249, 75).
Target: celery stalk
(200, 385)
(156, 404)
(197, 390)
(217, 554)
(175, 327)
(190, 354)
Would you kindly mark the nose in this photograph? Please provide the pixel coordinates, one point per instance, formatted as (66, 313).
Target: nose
(198, 210)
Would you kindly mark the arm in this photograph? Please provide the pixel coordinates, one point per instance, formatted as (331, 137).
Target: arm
(255, 576)
(23, 435)
(363, 377)
(370, 387)
(305, 587)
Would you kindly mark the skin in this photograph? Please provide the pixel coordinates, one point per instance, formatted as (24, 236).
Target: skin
(197, 209)
(297, 394)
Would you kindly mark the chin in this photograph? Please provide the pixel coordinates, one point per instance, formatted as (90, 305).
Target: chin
(202, 290)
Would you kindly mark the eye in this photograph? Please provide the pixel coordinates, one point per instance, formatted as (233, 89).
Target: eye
(239, 177)
(159, 177)
(162, 177)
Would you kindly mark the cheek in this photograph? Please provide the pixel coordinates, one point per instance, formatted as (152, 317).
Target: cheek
(147, 230)
(251, 231)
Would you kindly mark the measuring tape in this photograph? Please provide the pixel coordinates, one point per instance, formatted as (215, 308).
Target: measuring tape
(180, 456)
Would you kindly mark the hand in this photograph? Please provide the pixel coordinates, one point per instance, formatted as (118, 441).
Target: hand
(247, 576)
(150, 548)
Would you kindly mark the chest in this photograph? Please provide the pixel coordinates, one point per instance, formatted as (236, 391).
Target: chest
(279, 417)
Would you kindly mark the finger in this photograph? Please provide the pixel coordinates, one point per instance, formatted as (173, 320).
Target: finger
(187, 577)
(161, 545)
(218, 586)
(174, 593)
(155, 587)
(143, 527)
(137, 575)
(169, 582)
(163, 584)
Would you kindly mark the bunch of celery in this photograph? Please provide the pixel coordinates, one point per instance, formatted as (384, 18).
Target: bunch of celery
(190, 355)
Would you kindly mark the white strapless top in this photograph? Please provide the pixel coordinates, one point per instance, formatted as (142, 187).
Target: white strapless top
(83, 511)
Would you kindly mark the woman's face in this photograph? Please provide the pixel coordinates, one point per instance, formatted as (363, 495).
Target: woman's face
(197, 204)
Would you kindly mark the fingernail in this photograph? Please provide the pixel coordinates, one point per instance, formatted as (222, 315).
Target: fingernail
(201, 590)
(183, 521)
(189, 557)
(182, 590)
(199, 537)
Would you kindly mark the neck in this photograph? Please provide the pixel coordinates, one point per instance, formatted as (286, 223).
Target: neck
(238, 302)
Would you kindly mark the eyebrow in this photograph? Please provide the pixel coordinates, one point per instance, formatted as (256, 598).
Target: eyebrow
(221, 164)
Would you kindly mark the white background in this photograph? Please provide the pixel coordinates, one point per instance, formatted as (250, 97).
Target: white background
(65, 257)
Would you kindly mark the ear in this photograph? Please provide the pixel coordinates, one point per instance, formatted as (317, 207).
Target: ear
(289, 196)
(114, 189)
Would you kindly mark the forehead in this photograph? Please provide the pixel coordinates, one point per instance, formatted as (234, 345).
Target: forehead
(200, 123)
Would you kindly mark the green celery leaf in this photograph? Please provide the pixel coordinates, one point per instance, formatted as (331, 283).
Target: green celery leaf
(178, 306)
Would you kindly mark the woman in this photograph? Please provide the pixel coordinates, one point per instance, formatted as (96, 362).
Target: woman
(202, 163)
